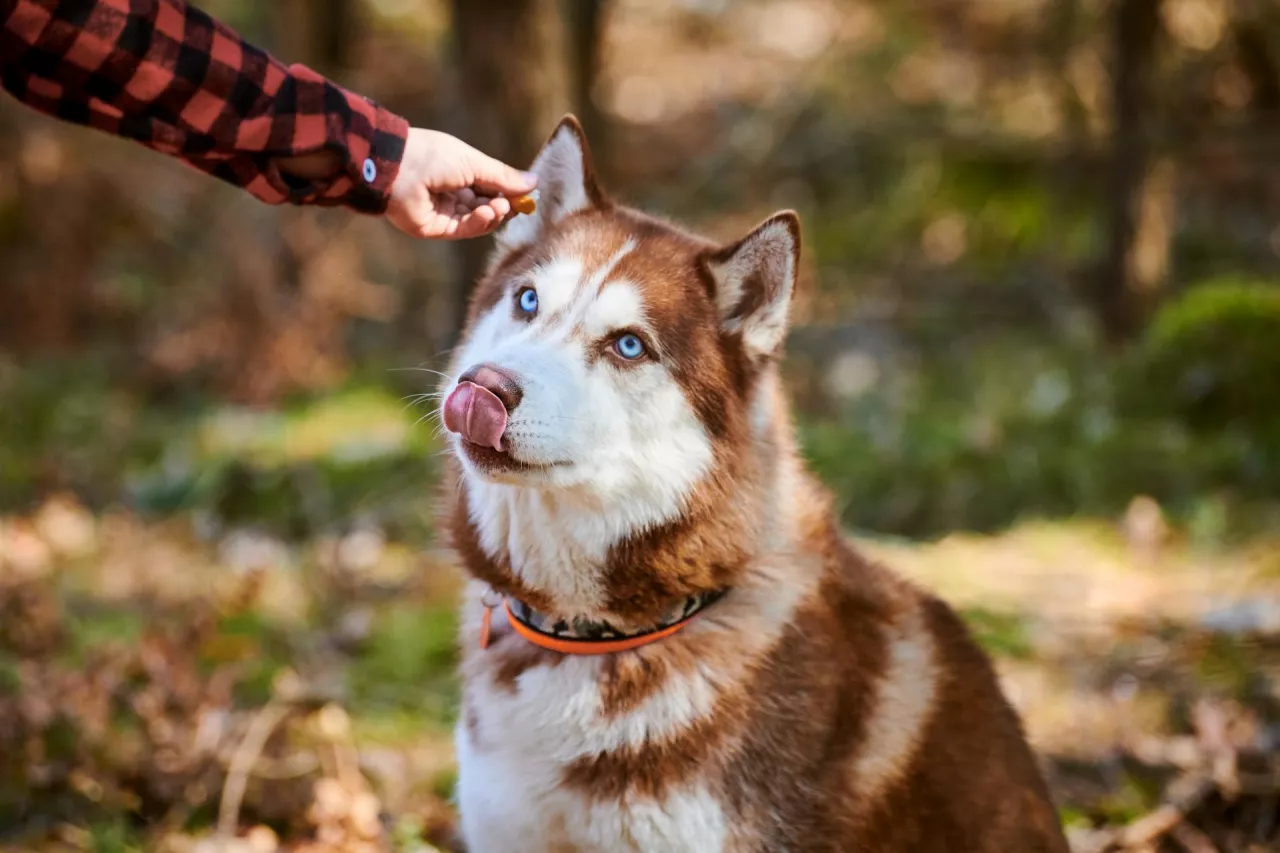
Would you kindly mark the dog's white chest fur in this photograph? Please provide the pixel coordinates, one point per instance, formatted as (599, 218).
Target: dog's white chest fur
(511, 793)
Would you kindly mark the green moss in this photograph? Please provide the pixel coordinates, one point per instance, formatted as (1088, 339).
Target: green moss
(407, 835)
(10, 681)
(444, 783)
(390, 725)
(1211, 356)
(1229, 664)
(116, 836)
(1001, 634)
(408, 664)
(65, 423)
(88, 629)
(261, 648)
(311, 466)
(1018, 431)
(1071, 816)
(1134, 798)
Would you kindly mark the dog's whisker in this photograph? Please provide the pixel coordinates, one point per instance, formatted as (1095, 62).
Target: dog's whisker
(419, 399)
(428, 415)
(422, 370)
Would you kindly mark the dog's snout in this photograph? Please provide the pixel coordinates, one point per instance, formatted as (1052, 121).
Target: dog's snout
(501, 383)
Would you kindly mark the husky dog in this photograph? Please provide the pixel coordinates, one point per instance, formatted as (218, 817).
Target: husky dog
(667, 644)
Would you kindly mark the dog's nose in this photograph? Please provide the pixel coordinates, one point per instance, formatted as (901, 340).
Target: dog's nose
(502, 384)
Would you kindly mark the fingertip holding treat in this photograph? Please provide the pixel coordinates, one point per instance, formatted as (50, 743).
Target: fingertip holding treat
(525, 204)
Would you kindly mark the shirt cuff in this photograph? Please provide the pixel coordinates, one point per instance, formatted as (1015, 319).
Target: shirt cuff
(371, 165)
(370, 143)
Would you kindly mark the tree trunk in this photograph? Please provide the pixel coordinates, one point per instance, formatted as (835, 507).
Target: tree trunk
(586, 22)
(1125, 288)
(318, 33)
(1256, 31)
(1057, 39)
(512, 85)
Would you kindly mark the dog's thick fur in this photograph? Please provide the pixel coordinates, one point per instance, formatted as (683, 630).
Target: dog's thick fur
(823, 704)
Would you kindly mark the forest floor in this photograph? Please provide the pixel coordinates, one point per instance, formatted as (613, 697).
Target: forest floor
(156, 685)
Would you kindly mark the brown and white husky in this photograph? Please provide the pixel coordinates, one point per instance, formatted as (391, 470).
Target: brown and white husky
(667, 645)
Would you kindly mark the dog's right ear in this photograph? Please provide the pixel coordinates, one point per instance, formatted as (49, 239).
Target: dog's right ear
(566, 185)
(754, 280)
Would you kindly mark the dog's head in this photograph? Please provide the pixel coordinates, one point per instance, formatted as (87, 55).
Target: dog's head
(612, 356)
(608, 351)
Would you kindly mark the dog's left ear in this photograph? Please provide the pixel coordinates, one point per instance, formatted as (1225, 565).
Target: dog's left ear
(566, 185)
(755, 279)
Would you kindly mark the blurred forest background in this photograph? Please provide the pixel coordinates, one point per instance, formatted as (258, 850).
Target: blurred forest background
(1037, 356)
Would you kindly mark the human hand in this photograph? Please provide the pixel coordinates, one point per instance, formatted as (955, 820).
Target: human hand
(447, 190)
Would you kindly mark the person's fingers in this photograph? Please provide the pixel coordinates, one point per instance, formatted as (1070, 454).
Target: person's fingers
(483, 217)
(447, 189)
(469, 226)
(499, 178)
(445, 216)
(441, 226)
(501, 207)
(473, 223)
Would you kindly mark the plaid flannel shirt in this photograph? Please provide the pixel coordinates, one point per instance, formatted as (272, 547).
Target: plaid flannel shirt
(170, 77)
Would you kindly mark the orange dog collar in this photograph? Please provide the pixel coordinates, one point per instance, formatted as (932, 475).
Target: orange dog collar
(578, 637)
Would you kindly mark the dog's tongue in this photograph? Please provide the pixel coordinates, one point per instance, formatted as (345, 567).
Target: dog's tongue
(476, 414)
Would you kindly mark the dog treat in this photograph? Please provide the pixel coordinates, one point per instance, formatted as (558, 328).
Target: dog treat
(526, 203)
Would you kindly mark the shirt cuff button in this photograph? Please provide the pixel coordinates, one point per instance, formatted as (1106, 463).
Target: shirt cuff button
(370, 170)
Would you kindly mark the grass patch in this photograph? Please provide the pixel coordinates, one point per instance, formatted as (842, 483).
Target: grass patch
(88, 628)
(116, 836)
(10, 682)
(1018, 430)
(1227, 663)
(318, 464)
(1001, 634)
(380, 725)
(1130, 801)
(408, 664)
(445, 784)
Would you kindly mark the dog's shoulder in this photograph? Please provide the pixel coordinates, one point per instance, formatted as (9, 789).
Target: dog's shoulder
(938, 739)
(876, 698)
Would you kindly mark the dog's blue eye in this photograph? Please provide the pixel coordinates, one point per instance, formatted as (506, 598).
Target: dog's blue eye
(629, 347)
(528, 300)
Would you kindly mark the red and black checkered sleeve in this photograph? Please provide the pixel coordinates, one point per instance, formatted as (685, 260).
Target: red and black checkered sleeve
(170, 77)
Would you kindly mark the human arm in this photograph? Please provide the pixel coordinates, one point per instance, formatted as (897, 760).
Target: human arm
(165, 74)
